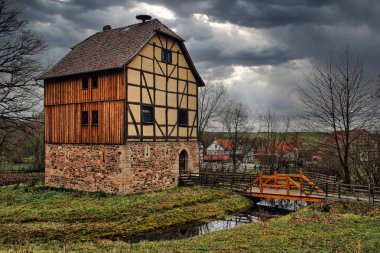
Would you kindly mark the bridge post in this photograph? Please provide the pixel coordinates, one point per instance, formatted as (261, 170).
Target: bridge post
(338, 189)
(301, 179)
(261, 181)
(287, 185)
(275, 177)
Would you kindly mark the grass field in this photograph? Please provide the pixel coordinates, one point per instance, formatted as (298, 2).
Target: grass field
(35, 214)
(15, 166)
(306, 138)
(26, 163)
(343, 228)
(35, 219)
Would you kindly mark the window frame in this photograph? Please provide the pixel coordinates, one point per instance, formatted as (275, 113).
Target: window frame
(96, 79)
(147, 107)
(83, 123)
(166, 56)
(84, 81)
(187, 117)
(92, 118)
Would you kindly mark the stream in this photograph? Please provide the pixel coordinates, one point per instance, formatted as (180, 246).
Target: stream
(264, 210)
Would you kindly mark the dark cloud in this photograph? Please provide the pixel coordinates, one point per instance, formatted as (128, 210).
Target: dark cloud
(271, 44)
(273, 13)
(272, 56)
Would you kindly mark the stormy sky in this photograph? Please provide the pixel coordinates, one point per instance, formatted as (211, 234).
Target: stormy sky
(260, 50)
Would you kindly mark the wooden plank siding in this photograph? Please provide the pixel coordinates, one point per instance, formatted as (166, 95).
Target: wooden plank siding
(119, 97)
(69, 90)
(65, 100)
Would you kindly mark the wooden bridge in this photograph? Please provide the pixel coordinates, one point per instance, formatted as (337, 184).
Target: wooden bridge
(285, 186)
(309, 187)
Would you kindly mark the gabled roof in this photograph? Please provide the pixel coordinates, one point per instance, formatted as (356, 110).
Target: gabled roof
(330, 139)
(282, 147)
(285, 147)
(113, 49)
(224, 143)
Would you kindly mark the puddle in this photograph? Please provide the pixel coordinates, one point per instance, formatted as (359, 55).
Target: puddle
(265, 209)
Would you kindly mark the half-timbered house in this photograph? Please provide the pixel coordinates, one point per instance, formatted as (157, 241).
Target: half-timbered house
(121, 111)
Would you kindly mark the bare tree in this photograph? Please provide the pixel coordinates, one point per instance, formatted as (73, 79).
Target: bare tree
(19, 66)
(270, 128)
(211, 99)
(276, 131)
(237, 122)
(338, 99)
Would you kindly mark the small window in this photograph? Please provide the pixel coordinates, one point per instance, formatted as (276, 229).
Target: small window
(94, 119)
(147, 114)
(85, 118)
(84, 83)
(166, 56)
(94, 82)
(182, 117)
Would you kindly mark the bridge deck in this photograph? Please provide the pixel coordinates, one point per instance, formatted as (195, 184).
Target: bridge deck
(283, 194)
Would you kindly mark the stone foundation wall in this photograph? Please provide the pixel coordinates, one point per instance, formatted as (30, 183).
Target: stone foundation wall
(131, 168)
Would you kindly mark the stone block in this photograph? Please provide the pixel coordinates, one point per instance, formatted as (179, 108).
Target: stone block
(130, 168)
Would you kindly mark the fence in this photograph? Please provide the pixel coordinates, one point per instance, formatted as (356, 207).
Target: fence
(16, 178)
(226, 166)
(24, 167)
(225, 179)
(349, 192)
(331, 186)
(15, 173)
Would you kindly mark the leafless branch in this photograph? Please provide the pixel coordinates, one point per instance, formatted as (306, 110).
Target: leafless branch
(337, 98)
(20, 93)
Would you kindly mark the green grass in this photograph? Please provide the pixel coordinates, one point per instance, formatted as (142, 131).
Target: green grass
(311, 139)
(343, 228)
(35, 214)
(36, 219)
(307, 138)
(15, 166)
(26, 163)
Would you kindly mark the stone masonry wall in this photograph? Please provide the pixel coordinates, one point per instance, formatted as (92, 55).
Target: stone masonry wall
(131, 168)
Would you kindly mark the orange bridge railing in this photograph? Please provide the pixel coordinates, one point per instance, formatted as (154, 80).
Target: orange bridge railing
(285, 186)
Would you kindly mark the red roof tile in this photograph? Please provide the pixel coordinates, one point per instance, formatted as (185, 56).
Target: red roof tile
(282, 147)
(224, 143)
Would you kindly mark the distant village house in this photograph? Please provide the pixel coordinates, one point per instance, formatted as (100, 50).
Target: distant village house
(364, 146)
(221, 150)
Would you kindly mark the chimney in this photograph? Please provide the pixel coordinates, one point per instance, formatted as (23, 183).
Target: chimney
(107, 28)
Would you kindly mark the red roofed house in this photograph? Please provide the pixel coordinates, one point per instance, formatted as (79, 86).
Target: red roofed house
(284, 149)
(221, 150)
(364, 146)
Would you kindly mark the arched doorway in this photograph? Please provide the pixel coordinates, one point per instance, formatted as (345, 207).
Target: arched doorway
(183, 162)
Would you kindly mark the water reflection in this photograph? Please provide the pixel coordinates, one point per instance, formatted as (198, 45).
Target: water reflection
(282, 204)
(264, 210)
